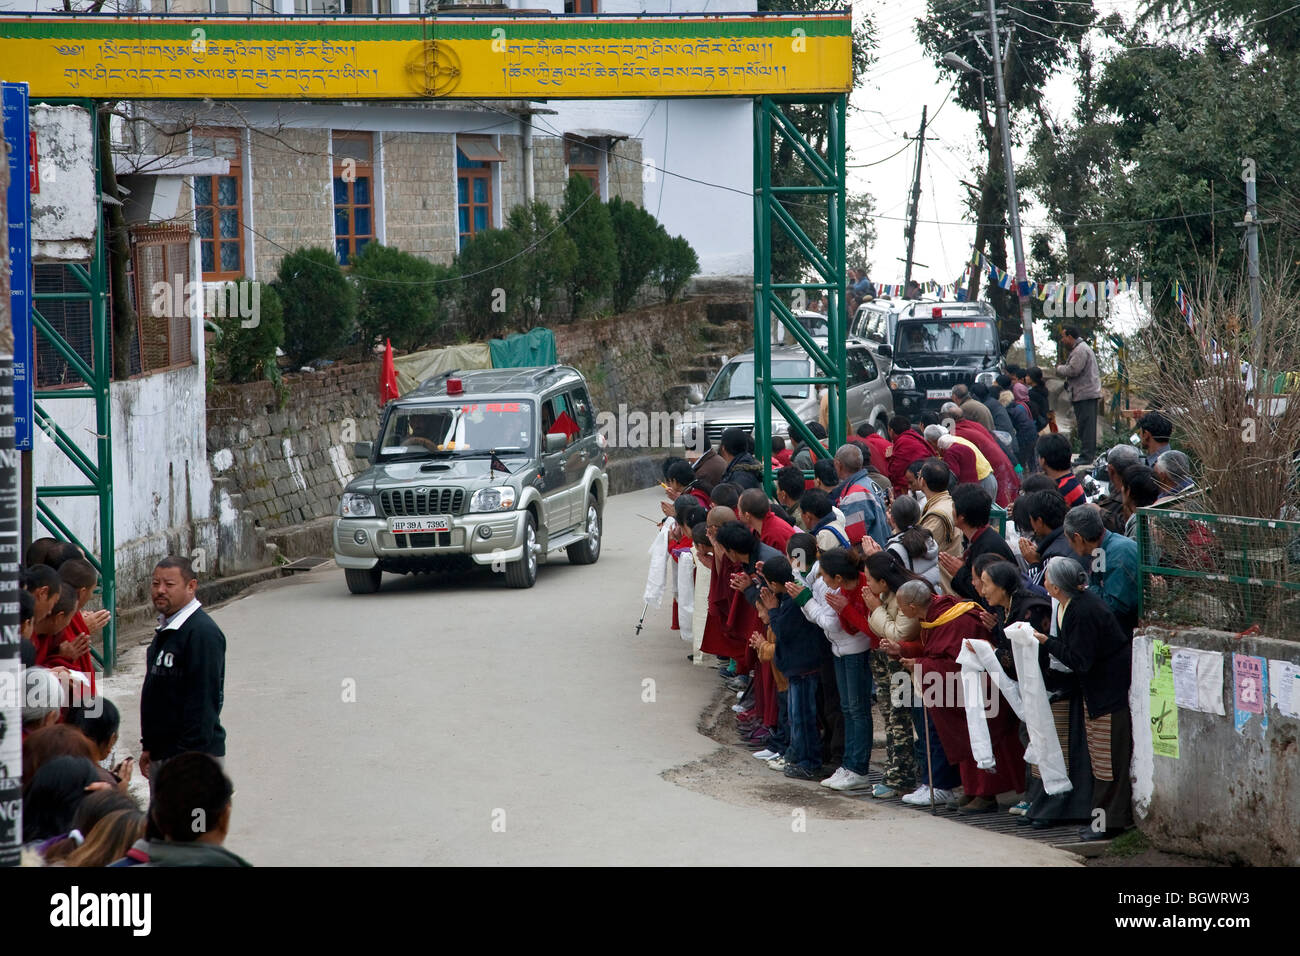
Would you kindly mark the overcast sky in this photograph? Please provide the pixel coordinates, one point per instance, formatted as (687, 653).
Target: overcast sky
(887, 106)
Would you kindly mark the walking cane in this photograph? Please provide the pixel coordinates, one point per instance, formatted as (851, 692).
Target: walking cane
(929, 762)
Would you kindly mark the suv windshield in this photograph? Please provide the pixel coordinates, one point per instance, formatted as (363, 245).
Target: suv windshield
(736, 380)
(456, 427)
(947, 335)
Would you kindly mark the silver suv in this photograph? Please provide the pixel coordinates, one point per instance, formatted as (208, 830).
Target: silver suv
(498, 467)
(729, 402)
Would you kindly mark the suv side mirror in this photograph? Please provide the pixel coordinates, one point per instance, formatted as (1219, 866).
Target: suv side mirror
(363, 449)
(884, 350)
(695, 396)
(555, 443)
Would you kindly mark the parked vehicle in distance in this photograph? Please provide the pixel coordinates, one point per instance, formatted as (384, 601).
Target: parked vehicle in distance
(498, 467)
(931, 347)
(729, 401)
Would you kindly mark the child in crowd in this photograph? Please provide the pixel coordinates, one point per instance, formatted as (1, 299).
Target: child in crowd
(798, 657)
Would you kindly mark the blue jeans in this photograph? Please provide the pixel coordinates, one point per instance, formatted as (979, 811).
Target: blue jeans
(805, 742)
(853, 677)
(779, 741)
(946, 776)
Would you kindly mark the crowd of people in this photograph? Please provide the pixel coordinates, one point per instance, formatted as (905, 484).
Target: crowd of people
(866, 591)
(78, 805)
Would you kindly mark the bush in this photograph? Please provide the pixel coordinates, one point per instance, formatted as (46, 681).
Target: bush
(546, 265)
(247, 353)
(319, 304)
(679, 264)
(491, 287)
(639, 242)
(399, 296)
(586, 221)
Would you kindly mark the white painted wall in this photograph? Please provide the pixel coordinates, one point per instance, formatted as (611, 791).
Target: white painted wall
(161, 477)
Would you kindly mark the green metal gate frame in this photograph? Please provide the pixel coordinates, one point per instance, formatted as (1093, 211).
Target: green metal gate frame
(97, 376)
(827, 265)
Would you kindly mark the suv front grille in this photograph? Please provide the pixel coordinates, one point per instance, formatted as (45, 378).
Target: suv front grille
(714, 432)
(408, 503)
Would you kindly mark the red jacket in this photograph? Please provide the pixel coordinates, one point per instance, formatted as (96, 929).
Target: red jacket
(782, 458)
(908, 447)
(879, 453)
(775, 533)
(856, 617)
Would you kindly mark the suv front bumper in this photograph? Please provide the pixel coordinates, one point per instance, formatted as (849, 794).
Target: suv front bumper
(362, 543)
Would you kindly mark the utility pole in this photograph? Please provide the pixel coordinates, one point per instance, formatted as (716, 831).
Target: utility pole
(1252, 223)
(1022, 275)
(914, 211)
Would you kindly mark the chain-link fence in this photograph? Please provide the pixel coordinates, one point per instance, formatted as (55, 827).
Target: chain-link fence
(1220, 571)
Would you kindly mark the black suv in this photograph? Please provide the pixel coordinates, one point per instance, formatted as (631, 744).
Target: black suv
(937, 345)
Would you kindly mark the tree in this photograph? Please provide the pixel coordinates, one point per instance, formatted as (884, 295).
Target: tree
(679, 264)
(320, 305)
(399, 296)
(1044, 37)
(586, 220)
(550, 255)
(859, 230)
(247, 352)
(640, 242)
(491, 287)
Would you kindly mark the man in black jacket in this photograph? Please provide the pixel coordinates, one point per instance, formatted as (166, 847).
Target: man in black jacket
(972, 508)
(180, 703)
(742, 467)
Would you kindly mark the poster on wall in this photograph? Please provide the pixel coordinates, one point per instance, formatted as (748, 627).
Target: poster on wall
(1249, 691)
(1164, 707)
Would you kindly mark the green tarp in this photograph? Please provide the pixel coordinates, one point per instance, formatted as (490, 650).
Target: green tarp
(525, 350)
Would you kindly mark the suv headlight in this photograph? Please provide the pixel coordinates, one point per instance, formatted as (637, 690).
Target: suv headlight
(493, 499)
(356, 506)
(986, 378)
(902, 381)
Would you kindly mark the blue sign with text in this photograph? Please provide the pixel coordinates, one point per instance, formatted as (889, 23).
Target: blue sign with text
(17, 127)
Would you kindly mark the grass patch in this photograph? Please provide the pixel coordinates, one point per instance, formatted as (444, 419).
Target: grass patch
(1130, 843)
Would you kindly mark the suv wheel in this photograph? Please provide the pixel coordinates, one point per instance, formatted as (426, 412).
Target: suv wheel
(587, 550)
(882, 428)
(363, 582)
(523, 573)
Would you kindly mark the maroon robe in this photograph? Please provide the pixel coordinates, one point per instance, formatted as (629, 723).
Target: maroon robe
(717, 639)
(936, 650)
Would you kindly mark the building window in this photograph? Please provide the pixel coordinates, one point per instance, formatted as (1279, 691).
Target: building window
(581, 6)
(354, 195)
(362, 8)
(583, 159)
(218, 207)
(475, 156)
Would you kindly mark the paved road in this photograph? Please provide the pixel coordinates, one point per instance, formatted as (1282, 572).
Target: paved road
(493, 726)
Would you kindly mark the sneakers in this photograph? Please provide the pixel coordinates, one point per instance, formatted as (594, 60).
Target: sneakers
(920, 797)
(883, 791)
(796, 772)
(776, 763)
(978, 805)
(834, 779)
(847, 780)
(766, 754)
(1020, 809)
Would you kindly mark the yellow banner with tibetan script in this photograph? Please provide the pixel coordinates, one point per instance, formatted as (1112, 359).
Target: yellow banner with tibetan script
(105, 57)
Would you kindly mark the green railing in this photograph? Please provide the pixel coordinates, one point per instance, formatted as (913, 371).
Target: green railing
(1220, 571)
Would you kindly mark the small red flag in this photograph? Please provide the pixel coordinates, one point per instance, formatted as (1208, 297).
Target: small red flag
(387, 376)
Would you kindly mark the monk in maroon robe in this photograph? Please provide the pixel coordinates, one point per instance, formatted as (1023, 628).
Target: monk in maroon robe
(946, 622)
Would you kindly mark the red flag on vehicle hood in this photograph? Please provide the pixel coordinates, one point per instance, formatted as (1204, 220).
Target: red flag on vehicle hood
(387, 376)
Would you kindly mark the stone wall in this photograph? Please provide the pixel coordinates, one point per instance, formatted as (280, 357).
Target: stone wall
(293, 198)
(512, 175)
(627, 172)
(420, 194)
(548, 170)
(289, 464)
(636, 359)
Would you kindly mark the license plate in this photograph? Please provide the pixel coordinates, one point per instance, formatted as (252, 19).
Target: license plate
(413, 525)
(938, 393)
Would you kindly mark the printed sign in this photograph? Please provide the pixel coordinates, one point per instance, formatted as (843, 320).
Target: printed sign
(1250, 691)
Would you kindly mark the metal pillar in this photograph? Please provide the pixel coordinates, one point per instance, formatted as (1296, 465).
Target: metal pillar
(826, 265)
(97, 374)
